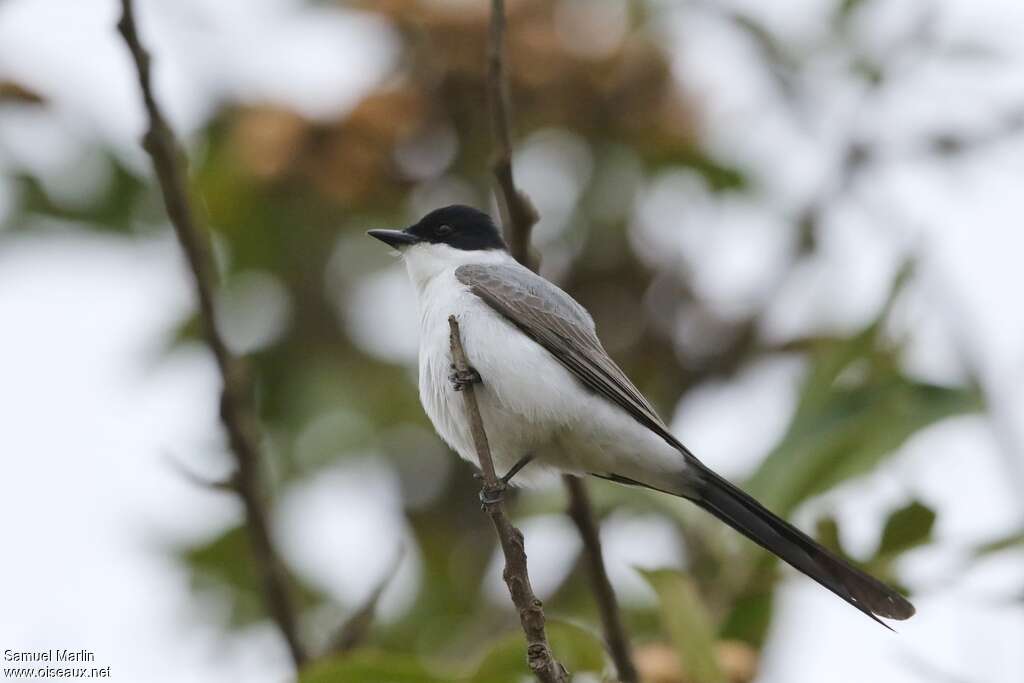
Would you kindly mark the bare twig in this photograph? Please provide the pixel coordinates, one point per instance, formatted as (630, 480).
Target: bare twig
(518, 213)
(582, 514)
(235, 410)
(517, 578)
(519, 217)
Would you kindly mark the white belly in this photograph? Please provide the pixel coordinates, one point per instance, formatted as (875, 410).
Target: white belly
(517, 418)
(530, 404)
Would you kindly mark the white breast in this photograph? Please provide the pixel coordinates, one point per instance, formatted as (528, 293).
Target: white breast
(529, 402)
(444, 296)
(518, 418)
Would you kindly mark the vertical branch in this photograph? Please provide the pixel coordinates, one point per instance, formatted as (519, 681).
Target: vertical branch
(518, 214)
(519, 217)
(517, 578)
(236, 412)
(582, 514)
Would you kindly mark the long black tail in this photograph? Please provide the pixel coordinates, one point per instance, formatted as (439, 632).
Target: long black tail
(753, 520)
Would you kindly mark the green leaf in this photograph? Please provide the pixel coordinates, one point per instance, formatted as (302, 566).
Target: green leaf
(853, 431)
(826, 532)
(906, 528)
(575, 647)
(370, 667)
(114, 208)
(856, 408)
(750, 617)
(688, 623)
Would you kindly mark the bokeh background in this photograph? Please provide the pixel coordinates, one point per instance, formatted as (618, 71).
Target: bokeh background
(797, 224)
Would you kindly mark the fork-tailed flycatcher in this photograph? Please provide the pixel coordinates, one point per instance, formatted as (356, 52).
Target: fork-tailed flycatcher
(552, 399)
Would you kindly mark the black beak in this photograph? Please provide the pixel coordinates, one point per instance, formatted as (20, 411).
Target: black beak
(394, 238)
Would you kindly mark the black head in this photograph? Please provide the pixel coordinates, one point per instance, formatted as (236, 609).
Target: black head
(461, 227)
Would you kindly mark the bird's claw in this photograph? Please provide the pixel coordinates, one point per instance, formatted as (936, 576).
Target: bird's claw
(492, 495)
(462, 379)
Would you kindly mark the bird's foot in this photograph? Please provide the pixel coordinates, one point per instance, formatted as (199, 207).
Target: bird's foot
(492, 495)
(462, 379)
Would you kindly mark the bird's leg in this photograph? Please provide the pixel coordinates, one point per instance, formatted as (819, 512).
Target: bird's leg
(461, 380)
(514, 470)
(491, 495)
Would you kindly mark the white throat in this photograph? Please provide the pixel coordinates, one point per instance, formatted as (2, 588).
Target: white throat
(425, 261)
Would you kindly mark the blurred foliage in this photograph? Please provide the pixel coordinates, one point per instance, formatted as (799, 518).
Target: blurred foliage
(688, 623)
(856, 408)
(114, 208)
(289, 199)
(370, 667)
(579, 650)
(905, 529)
(219, 567)
(660, 662)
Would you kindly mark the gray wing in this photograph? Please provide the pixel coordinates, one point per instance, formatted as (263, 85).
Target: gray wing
(554, 320)
(550, 317)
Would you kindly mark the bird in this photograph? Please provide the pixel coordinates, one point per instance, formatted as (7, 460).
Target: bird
(553, 401)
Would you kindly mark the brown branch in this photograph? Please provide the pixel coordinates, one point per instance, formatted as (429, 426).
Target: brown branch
(582, 514)
(235, 410)
(531, 610)
(519, 217)
(518, 213)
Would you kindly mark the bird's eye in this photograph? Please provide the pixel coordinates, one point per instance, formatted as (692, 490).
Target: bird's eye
(444, 230)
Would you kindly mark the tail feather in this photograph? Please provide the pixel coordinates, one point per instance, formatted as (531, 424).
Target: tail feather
(744, 514)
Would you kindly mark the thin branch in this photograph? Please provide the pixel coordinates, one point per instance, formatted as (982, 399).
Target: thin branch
(518, 213)
(235, 410)
(228, 484)
(519, 217)
(582, 514)
(531, 610)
